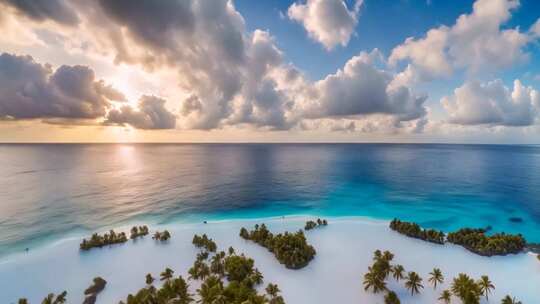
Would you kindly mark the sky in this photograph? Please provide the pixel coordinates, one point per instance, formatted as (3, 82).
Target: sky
(458, 71)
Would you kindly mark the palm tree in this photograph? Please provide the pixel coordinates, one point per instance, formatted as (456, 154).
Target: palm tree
(509, 300)
(372, 280)
(210, 290)
(149, 279)
(61, 298)
(181, 292)
(377, 254)
(277, 300)
(398, 271)
(445, 297)
(466, 289)
(167, 274)
(272, 290)
(49, 299)
(414, 282)
(22, 301)
(220, 299)
(436, 277)
(387, 255)
(485, 285)
(391, 298)
(257, 277)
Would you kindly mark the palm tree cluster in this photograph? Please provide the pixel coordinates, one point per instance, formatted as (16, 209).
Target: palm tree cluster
(463, 287)
(226, 279)
(99, 241)
(91, 292)
(476, 240)
(204, 242)
(173, 290)
(378, 272)
(273, 292)
(138, 231)
(510, 300)
(49, 299)
(162, 236)
(466, 289)
(415, 231)
(469, 291)
(230, 278)
(314, 224)
(290, 249)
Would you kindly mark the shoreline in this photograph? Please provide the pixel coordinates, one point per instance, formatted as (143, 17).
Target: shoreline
(198, 219)
(344, 247)
(43, 245)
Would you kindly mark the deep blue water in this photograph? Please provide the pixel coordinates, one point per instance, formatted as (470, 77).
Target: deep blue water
(48, 192)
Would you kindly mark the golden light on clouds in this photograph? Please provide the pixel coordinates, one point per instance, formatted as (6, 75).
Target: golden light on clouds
(195, 72)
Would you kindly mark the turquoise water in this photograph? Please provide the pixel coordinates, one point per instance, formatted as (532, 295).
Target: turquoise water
(48, 192)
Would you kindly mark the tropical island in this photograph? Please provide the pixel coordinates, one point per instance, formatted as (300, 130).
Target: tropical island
(474, 240)
(137, 232)
(112, 237)
(98, 241)
(314, 224)
(162, 236)
(415, 231)
(91, 292)
(290, 249)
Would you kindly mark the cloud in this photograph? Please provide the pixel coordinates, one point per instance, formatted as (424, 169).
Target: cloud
(170, 19)
(39, 10)
(328, 22)
(373, 124)
(361, 89)
(30, 90)
(204, 40)
(228, 75)
(534, 31)
(493, 104)
(475, 42)
(150, 114)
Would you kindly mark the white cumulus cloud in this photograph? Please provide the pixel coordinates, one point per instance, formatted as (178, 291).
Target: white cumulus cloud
(475, 42)
(492, 103)
(328, 22)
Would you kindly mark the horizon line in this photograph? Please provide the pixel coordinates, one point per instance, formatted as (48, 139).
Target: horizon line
(268, 143)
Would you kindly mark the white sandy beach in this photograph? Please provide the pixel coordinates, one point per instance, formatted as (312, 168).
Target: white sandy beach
(344, 251)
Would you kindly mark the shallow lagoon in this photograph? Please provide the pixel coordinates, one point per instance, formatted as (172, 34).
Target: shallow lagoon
(49, 192)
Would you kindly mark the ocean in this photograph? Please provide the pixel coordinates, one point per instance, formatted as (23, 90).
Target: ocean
(53, 191)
